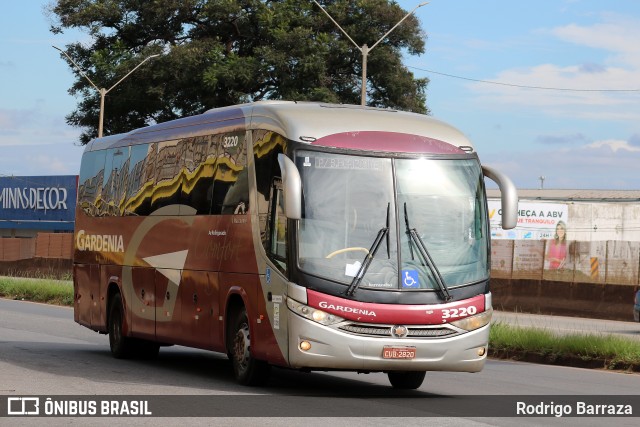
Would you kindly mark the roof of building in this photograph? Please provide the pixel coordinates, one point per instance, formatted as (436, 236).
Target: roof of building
(573, 195)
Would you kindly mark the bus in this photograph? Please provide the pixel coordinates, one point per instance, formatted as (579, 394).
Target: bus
(309, 236)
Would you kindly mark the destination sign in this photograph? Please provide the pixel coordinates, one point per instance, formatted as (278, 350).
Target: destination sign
(348, 163)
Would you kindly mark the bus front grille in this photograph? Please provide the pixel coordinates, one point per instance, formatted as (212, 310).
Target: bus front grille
(414, 331)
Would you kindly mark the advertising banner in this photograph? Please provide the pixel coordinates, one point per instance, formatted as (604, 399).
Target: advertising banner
(536, 221)
(38, 202)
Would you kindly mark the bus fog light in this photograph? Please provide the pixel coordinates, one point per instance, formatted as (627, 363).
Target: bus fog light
(481, 351)
(305, 345)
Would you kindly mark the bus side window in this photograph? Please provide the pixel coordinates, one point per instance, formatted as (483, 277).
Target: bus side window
(116, 172)
(230, 178)
(199, 167)
(277, 227)
(90, 181)
(167, 166)
(140, 181)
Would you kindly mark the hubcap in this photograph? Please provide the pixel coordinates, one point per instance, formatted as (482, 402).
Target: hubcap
(241, 345)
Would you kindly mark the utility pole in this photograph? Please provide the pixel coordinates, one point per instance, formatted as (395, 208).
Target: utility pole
(103, 92)
(541, 178)
(365, 49)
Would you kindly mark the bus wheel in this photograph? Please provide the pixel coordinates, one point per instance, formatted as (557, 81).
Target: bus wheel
(406, 380)
(247, 370)
(121, 347)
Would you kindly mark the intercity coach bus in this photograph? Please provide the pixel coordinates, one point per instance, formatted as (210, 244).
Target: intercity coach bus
(300, 235)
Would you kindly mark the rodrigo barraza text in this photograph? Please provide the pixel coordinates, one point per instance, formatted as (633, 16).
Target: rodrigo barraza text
(576, 409)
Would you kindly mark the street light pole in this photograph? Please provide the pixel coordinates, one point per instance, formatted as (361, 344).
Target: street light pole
(103, 92)
(365, 49)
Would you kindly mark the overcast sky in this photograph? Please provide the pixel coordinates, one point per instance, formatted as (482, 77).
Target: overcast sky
(577, 123)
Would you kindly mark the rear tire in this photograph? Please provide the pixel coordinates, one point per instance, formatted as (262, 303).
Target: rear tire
(247, 370)
(122, 347)
(406, 380)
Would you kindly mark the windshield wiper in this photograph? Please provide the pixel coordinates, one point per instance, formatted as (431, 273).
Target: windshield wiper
(422, 248)
(384, 231)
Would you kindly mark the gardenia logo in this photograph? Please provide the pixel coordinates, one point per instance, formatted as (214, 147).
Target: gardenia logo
(99, 242)
(344, 309)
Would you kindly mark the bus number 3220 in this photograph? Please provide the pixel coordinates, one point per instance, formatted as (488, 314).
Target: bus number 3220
(453, 313)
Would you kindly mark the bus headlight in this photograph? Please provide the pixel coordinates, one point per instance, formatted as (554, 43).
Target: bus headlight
(314, 314)
(474, 322)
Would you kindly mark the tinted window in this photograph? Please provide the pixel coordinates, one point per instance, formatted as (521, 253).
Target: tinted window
(90, 181)
(199, 167)
(266, 147)
(230, 176)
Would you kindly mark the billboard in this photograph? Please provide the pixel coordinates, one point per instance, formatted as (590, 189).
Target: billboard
(536, 221)
(38, 202)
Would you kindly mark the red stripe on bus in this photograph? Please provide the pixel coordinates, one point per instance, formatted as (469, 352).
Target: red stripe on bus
(427, 314)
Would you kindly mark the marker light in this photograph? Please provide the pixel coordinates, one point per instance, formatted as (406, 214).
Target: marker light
(481, 351)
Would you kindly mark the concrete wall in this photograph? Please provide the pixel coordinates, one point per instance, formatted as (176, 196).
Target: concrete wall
(599, 278)
(604, 221)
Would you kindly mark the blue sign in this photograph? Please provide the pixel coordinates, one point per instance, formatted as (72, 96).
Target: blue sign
(268, 276)
(410, 279)
(38, 202)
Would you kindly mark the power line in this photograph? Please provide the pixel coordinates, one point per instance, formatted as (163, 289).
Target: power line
(521, 86)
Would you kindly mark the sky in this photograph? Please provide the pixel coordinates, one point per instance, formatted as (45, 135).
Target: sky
(576, 123)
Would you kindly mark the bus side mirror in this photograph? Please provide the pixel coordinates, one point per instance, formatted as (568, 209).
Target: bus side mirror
(508, 197)
(292, 187)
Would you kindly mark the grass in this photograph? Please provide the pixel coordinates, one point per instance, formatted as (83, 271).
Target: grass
(587, 350)
(50, 291)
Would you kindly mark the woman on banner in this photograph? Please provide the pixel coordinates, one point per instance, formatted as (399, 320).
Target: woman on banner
(557, 248)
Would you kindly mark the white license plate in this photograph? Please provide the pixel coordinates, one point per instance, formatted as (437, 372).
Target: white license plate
(399, 353)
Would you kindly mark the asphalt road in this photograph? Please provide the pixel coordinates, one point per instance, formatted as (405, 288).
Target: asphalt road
(43, 352)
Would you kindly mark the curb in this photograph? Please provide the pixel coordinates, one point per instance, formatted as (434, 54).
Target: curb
(564, 360)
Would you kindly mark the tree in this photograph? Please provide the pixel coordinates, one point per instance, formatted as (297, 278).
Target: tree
(223, 52)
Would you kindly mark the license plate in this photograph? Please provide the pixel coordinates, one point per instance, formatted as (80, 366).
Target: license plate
(399, 353)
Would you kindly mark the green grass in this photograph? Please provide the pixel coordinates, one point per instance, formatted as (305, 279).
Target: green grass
(59, 292)
(615, 352)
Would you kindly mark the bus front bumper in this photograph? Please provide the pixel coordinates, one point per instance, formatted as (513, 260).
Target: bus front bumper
(331, 348)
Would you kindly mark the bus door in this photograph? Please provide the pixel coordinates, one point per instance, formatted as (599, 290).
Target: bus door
(274, 279)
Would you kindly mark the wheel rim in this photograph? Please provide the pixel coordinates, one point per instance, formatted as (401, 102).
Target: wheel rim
(116, 328)
(241, 345)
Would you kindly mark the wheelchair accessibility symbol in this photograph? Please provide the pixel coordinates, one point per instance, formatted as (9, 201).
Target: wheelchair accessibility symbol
(410, 279)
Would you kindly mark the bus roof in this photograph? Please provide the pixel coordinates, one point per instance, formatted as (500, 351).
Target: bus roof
(298, 121)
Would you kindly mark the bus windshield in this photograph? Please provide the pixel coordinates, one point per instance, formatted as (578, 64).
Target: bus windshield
(349, 199)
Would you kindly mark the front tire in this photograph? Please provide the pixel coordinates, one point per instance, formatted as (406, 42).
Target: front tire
(406, 380)
(247, 369)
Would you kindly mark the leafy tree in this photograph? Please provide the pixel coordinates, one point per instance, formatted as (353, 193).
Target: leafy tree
(223, 52)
